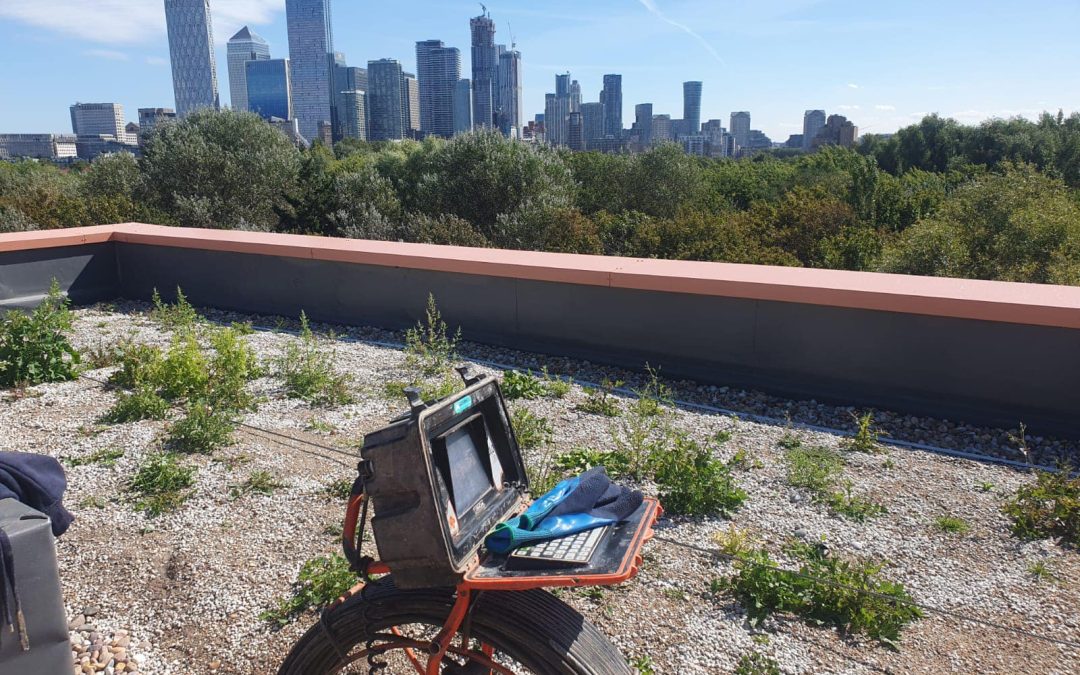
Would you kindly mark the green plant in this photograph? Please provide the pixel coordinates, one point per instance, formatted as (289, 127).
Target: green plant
(1042, 571)
(1049, 507)
(320, 426)
(815, 468)
(532, 431)
(242, 327)
(139, 365)
(309, 373)
(594, 593)
(643, 665)
(141, 404)
(789, 441)
(516, 384)
(985, 486)
(676, 594)
(103, 457)
(184, 370)
(756, 663)
(852, 506)
(179, 315)
(232, 365)
(734, 542)
(161, 483)
(203, 430)
(580, 460)
(321, 581)
(259, 482)
(555, 386)
(104, 354)
(1020, 440)
(847, 593)
(93, 502)
(951, 524)
(427, 346)
(653, 397)
(35, 348)
(339, 489)
(600, 401)
(692, 482)
(866, 435)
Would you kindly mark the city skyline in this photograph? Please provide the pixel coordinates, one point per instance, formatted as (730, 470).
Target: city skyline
(125, 59)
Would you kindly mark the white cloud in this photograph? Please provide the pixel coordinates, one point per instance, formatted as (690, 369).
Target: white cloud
(110, 54)
(852, 85)
(850, 107)
(157, 61)
(883, 106)
(117, 22)
(651, 6)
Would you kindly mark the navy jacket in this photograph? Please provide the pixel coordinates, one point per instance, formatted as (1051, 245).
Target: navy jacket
(37, 481)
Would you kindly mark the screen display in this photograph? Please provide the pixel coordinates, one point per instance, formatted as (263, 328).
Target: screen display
(469, 479)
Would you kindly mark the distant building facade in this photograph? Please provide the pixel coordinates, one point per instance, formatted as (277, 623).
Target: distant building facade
(740, 128)
(592, 118)
(191, 51)
(269, 88)
(611, 97)
(311, 59)
(386, 114)
(813, 122)
(438, 69)
(353, 111)
(575, 139)
(347, 79)
(38, 146)
(463, 117)
(484, 70)
(149, 118)
(691, 108)
(837, 131)
(410, 104)
(510, 113)
(661, 129)
(643, 123)
(99, 119)
(243, 47)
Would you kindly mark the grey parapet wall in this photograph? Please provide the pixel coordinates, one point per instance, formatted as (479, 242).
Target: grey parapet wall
(935, 355)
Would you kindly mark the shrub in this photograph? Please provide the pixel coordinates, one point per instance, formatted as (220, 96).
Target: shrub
(35, 348)
(161, 484)
(203, 430)
(734, 542)
(321, 581)
(427, 347)
(692, 482)
(141, 404)
(756, 663)
(532, 431)
(600, 401)
(140, 365)
(516, 384)
(232, 366)
(309, 374)
(848, 594)
(555, 386)
(179, 315)
(184, 371)
(866, 435)
(1049, 507)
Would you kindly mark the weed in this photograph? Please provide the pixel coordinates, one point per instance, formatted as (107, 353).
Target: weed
(103, 457)
(815, 468)
(1041, 571)
(760, 639)
(309, 374)
(139, 365)
(555, 386)
(580, 460)
(161, 484)
(321, 581)
(184, 370)
(643, 665)
(676, 594)
(985, 486)
(734, 542)
(427, 347)
(693, 482)
(743, 460)
(540, 472)
(600, 401)
(848, 594)
(653, 397)
(179, 315)
(203, 430)
(320, 426)
(259, 482)
(104, 354)
(531, 431)
(140, 404)
(93, 502)
(242, 327)
(717, 586)
(852, 506)
(335, 530)
(756, 663)
(35, 348)
(888, 464)
(1021, 441)
(789, 441)
(232, 366)
(866, 435)
(594, 593)
(951, 524)
(339, 489)
(516, 384)
(1049, 507)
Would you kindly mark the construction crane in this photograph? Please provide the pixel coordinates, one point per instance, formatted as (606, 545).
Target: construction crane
(513, 42)
(483, 9)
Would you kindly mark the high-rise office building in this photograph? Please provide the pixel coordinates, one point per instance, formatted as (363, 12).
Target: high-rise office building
(812, 123)
(575, 96)
(191, 50)
(838, 130)
(410, 105)
(484, 70)
(151, 117)
(99, 119)
(611, 97)
(269, 88)
(643, 117)
(691, 108)
(311, 57)
(661, 129)
(353, 112)
(439, 70)
(346, 79)
(575, 137)
(463, 118)
(510, 114)
(592, 121)
(551, 117)
(243, 47)
(740, 128)
(385, 100)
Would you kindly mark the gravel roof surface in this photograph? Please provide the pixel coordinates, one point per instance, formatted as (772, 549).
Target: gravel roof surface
(185, 589)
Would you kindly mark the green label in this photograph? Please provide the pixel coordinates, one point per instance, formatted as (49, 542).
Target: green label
(463, 403)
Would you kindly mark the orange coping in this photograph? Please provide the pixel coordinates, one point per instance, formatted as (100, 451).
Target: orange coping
(1007, 302)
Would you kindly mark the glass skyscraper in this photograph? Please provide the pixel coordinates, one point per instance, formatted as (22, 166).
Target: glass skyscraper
(484, 67)
(191, 50)
(643, 117)
(268, 88)
(611, 97)
(243, 47)
(463, 106)
(692, 107)
(311, 57)
(385, 112)
(439, 69)
(510, 115)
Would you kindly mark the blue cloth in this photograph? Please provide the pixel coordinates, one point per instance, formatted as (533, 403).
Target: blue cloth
(37, 481)
(575, 504)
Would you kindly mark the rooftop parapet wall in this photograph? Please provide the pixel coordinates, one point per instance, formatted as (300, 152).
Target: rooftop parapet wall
(988, 352)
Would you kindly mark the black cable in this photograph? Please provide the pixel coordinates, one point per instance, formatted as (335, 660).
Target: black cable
(863, 591)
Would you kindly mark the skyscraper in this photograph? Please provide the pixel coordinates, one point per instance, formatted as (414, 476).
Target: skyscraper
(351, 108)
(386, 115)
(661, 129)
(463, 118)
(611, 97)
(484, 70)
(551, 115)
(510, 114)
(812, 122)
(691, 108)
(439, 69)
(410, 104)
(191, 50)
(99, 119)
(311, 57)
(740, 128)
(268, 88)
(575, 138)
(575, 96)
(346, 79)
(243, 47)
(592, 121)
(643, 117)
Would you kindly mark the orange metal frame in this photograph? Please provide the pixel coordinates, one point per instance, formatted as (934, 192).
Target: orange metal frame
(442, 643)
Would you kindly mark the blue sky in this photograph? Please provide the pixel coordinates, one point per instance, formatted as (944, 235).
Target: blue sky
(882, 64)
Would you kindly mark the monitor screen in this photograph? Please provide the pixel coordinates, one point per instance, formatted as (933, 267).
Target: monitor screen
(469, 477)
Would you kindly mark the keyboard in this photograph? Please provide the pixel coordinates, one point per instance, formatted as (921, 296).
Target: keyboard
(570, 551)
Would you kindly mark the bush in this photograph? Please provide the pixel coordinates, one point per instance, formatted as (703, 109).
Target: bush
(531, 431)
(161, 484)
(140, 404)
(35, 348)
(600, 400)
(309, 373)
(321, 581)
(516, 384)
(1050, 507)
(179, 315)
(427, 346)
(866, 436)
(756, 663)
(847, 594)
(818, 470)
(203, 430)
(692, 482)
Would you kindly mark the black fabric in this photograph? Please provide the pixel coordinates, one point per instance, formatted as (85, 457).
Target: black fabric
(597, 496)
(37, 481)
